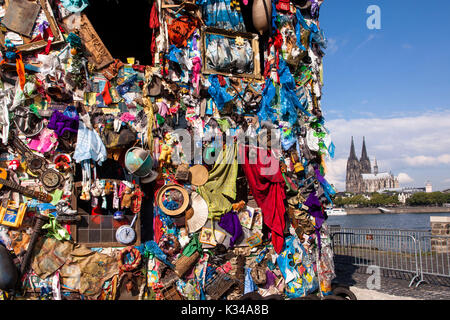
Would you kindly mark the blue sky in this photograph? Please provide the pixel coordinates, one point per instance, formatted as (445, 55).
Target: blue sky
(391, 85)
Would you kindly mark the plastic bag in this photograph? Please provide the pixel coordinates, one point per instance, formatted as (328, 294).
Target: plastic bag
(296, 266)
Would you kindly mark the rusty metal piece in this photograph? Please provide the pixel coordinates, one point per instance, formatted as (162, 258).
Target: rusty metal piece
(40, 221)
(20, 16)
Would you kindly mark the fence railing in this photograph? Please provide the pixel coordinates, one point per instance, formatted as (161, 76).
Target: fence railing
(412, 251)
(434, 262)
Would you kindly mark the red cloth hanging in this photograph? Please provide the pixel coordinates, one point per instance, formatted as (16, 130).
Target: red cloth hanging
(154, 25)
(106, 94)
(267, 189)
(20, 68)
(277, 43)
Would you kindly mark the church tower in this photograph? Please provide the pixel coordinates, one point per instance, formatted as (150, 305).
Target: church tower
(353, 179)
(364, 161)
(375, 167)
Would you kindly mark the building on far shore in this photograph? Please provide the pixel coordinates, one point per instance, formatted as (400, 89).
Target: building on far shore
(361, 179)
(428, 187)
(405, 193)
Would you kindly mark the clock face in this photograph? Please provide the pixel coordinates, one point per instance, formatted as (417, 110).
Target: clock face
(51, 179)
(125, 234)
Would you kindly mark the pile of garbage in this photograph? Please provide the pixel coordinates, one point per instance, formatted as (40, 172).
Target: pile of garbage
(198, 176)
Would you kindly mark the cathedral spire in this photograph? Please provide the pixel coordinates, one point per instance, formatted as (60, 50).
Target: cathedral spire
(365, 162)
(352, 152)
(364, 151)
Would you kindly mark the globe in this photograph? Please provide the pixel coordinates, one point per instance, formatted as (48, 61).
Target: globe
(138, 162)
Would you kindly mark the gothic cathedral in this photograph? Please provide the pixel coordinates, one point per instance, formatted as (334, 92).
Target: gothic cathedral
(360, 178)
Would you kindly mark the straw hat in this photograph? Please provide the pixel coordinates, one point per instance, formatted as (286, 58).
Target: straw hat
(173, 187)
(198, 175)
(200, 214)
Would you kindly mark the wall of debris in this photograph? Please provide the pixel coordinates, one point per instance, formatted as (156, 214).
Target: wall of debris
(200, 175)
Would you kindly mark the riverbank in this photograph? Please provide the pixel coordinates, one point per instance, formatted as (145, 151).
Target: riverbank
(399, 210)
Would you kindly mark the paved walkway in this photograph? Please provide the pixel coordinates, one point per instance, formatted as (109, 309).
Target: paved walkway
(366, 294)
(391, 284)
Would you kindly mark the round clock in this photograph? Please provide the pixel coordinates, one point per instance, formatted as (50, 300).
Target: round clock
(126, 234)
(51, 179)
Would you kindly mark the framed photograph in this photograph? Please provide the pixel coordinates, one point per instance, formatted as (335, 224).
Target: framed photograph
(254, 240)
(246, 217)
(258, 219)
(230, 53)
(207, 236)
(21, 26)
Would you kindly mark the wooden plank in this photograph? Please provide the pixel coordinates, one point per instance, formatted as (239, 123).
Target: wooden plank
(99, 54)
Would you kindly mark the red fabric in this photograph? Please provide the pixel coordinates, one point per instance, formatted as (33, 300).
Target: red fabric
(154, 25)
(49, 40)
(106, 95)
(97, 213)
(277, 42)
(20, 68)
(222, 81)
(157, 232)
(154, 20)
(268, 191)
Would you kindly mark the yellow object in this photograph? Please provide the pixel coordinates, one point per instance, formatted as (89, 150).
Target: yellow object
(166, 154)
(298, 167)
(12, 215)
(130, 60)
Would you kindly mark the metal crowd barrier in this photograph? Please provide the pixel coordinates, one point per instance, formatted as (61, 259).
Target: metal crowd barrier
(412, 251)
(434, 256)
(396, 252)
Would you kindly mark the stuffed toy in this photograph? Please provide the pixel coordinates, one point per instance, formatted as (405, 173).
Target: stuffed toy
(127, 196)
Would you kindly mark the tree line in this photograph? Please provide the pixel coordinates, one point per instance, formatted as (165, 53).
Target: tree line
(386, 199)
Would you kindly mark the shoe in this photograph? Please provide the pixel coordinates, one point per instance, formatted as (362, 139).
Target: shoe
(63, 209)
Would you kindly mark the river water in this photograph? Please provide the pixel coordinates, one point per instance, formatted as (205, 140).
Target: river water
(416, 221)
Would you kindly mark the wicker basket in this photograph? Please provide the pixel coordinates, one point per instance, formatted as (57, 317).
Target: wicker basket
(171, 293)
(184, 263)
(218, 285)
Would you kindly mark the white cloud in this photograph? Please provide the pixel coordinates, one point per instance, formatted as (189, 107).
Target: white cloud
(427, 160)
(404, 178)
(332, 47)
(417, 146)
(407, 46)
(336, 172)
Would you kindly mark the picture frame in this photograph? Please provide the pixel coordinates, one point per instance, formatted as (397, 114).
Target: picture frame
(253, 38)
(32, 46)
(207, 236)
(13, 214)
(246, 217)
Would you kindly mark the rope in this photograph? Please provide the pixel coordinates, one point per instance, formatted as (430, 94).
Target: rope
(135, 256)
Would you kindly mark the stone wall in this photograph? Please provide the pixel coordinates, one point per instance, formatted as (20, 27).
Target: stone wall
(440, 226)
